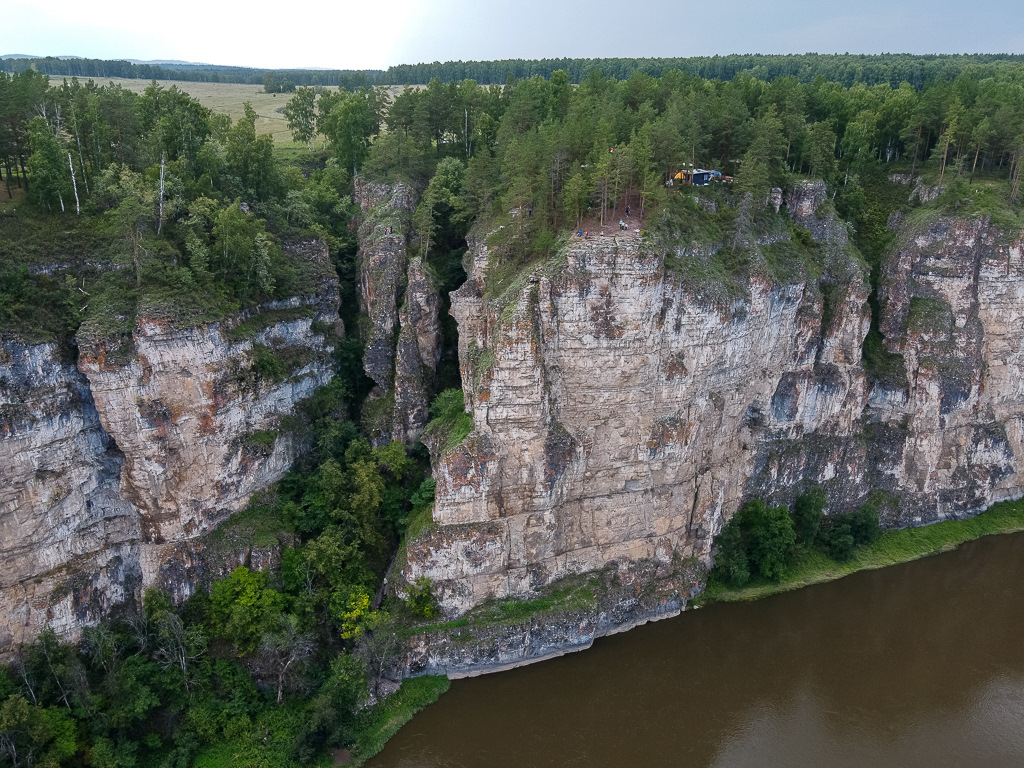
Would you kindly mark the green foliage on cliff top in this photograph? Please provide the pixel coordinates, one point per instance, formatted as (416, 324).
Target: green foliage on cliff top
(712, 240)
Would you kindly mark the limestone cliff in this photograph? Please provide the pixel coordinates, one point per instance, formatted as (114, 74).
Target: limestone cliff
(398, 297)
(108, 464)
(66, 531)
(621, 416)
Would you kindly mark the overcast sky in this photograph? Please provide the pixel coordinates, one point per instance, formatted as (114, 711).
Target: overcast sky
(372, 34)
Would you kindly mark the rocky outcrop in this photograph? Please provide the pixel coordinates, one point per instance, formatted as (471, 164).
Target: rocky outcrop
(66, 531)
(953, 307)
(398, 297)
(601, 604)
(383, 233)
(417, 354)
(109, 464)
(620, 419)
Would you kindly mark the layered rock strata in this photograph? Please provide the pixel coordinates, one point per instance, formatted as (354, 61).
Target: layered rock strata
(619, 418)
(107, 465)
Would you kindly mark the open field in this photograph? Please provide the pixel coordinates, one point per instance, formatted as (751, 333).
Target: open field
(228, 98)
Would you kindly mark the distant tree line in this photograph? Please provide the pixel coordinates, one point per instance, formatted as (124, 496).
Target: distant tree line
(202, 73)
(844, 68)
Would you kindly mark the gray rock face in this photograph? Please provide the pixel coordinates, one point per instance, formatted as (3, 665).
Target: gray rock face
(383, 233)
(398, 297)
(618, 419)
(106, 467)
(63, 521)
(417, 355)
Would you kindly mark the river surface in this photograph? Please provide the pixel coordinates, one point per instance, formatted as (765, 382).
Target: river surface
(920, 664)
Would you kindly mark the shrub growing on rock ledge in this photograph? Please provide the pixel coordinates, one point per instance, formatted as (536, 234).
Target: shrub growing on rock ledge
(421, 598)
(449, 423)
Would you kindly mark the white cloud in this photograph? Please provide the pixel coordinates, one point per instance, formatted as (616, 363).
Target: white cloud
(330, 35)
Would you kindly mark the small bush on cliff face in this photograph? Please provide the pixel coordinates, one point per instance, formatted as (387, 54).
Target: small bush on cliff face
(421, 598)
(266, 364)
(449, 423)
(929, 315)
(260, 443)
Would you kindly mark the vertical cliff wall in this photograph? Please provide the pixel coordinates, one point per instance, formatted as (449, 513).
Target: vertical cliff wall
(620, 416)
(66, 531)
(108, 463)
(403, 334)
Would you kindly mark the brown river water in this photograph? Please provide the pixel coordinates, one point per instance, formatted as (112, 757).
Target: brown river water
(920, 664)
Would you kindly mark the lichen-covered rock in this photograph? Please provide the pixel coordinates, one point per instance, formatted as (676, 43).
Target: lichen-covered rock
(108, 465)
(620, 418)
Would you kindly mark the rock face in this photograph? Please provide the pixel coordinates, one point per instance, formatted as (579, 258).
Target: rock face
(620, 419)
(106, 466)
(417, 355)
(66, 531)
(398, 296)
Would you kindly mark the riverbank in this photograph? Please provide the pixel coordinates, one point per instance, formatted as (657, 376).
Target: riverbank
(380, 722)
(906, 667)
(528, 617)
(891, 548)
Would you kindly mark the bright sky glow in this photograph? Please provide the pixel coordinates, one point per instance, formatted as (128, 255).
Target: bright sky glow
(373, 34)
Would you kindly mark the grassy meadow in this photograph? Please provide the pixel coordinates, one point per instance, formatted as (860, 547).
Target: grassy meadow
(228, 98)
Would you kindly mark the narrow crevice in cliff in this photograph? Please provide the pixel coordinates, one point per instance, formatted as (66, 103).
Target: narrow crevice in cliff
(870, 209)
(450, 275)
(349, 352)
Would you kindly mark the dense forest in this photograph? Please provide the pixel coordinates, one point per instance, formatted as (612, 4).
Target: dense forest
(188, 210)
